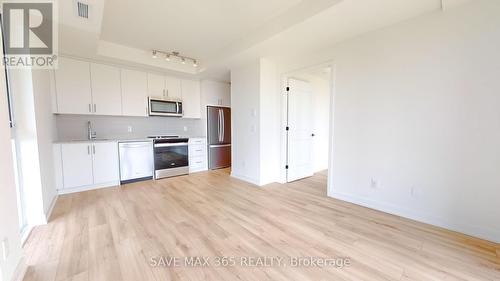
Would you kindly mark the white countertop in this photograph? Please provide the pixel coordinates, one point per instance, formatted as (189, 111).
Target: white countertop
(123, 139)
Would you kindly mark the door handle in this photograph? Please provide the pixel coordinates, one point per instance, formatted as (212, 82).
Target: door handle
(220, 125)
(223, 129)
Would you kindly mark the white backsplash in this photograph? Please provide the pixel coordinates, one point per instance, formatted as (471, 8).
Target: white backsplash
(74, 127)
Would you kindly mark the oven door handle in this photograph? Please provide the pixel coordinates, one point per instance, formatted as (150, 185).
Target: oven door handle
(170, 144)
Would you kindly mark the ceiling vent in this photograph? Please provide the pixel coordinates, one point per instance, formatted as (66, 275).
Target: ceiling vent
(82, 9)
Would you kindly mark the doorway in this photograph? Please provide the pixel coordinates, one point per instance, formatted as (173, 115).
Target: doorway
(307, 115)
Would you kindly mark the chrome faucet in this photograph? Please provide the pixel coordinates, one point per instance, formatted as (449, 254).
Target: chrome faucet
(91, 135)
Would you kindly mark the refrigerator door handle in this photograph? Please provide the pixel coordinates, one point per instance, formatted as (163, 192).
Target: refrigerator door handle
(220, 125)
(223, 125)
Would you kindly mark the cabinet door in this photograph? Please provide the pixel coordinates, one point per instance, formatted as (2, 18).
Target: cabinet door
(72, 83)
(191, 103)
(105, 156)
(156, 86)
(173, 87)
(77, 164)
(106, 91)
(225, 95)
(134, 93)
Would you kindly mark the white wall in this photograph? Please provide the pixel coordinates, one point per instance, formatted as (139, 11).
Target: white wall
(21, 86)
(9, 226)
(255, 122)
(417, 110)
(245, 107)
(269, 122)
(46, 133)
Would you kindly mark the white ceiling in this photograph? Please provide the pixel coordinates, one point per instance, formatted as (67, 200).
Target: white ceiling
(197, 28)
(221, 33)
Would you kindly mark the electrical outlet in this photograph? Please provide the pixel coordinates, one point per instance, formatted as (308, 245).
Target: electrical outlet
(374, 184)
(5, 249)
(129, 129)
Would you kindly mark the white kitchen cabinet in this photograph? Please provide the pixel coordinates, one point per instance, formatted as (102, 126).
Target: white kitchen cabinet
(77, 164)
(198, 160)
(216, 93)
(106, 89)
(191, 100)
(72, 83)
(105, 162)
(156, 86)
(86, 165)
(173, 87)
(134, 93)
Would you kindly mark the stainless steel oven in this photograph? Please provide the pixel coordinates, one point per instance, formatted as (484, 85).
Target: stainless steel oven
(164, 107)
(171, 157)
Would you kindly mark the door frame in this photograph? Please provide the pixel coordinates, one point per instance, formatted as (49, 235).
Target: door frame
(284, 119)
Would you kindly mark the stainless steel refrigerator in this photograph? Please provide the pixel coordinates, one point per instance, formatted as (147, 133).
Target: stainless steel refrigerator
(219, 137)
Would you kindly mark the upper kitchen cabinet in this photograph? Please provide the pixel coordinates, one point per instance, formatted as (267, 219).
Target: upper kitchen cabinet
(134, 93)
(174, 87)
(191, 100)
(72, 83)
(156, 86)
(216, 93)
(106, 89)
(164, 87)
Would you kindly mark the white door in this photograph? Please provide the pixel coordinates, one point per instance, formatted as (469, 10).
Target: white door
(191, 100)
(300, 130)
(156, 86)
(72, 81)
(106, 89)
(77, 164)
(173, 87)
(106, 165)
(134, 93)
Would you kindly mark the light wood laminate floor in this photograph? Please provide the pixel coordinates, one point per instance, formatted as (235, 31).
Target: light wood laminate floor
(112, 234)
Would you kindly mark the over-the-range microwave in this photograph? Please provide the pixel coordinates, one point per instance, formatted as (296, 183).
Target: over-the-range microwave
(165, 107)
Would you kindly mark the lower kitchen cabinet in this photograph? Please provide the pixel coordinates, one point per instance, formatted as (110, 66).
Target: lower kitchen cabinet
(86, 165)
(198, 155)
(76, 165)
(105, 162)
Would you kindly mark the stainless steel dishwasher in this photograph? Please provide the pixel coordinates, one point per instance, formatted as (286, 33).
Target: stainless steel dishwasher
(136, 161)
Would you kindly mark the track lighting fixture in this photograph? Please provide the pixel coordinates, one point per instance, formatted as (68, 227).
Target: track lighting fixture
(177, 55)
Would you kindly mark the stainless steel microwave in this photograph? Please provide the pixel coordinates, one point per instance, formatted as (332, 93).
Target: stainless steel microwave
(164, 107)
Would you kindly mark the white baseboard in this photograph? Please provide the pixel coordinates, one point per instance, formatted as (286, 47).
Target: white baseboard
(51, 208)
(245, 178)
(87, 187)
(468, 229)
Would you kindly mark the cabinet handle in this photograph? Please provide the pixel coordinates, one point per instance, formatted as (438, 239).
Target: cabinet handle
(90, 108)
(88, 149)
(95, 108)
(93, 149)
